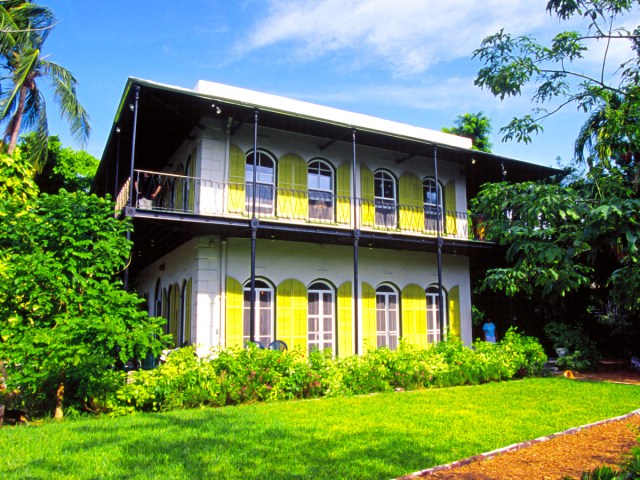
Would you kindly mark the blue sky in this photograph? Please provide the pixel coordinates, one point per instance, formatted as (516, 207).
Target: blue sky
(404, 60)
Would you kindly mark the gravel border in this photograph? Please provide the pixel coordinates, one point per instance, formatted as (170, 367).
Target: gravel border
(512, 448)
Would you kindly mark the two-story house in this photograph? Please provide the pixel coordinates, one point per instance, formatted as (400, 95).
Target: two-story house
(277, 219)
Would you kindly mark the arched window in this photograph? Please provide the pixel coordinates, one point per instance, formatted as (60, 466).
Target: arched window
(263, 320)
(432, 200)
(321, 187)
(384, 188)
(433, 314)
(265, 182)
(321, 317)
(387, 317)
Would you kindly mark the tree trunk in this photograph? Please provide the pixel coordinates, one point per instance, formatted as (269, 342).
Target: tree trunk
(16, 121)
(59, 413)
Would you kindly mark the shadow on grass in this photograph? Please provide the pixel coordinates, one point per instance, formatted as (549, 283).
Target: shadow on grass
(380, 436)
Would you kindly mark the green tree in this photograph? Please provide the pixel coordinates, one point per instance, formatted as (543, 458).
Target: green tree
(65, 167)
(65, 319)
(607, 91)
(476, 126)
(22, 104)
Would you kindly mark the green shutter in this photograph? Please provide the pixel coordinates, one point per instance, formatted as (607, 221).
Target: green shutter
(234, 313)
(291, 314)
(345, 320)
(369, 324)
(174, 312)
(292, 193)
(411, 203)
(165, 308)
(187, 312)
(237, 161)
(454, 312)
(367, 206)
(414, 315)
(191, 173)
(451, 224)
(343, 193)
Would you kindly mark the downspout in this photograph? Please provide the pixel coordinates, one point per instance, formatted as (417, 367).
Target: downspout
(131, 182)
(356, 239)
(439, 241)
(254, 232)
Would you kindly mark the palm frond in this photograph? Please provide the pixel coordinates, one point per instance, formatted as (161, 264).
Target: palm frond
(26, 64)
(64, 84)
(38, 146)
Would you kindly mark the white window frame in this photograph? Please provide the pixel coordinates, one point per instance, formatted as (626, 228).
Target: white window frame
(323, 193)
(385, 207)
(432, 298)
(320, 342)
(385, 335)
(262, 208)
(262, 288)
(431, 209)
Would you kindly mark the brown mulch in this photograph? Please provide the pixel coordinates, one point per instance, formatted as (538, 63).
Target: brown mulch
(564, 455)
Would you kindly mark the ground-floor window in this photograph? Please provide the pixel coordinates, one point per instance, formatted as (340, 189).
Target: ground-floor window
(263, 320)
(320, 317)
(433, 314)
(387, 317)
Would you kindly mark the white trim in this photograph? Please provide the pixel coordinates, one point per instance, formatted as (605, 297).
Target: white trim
(275, 103)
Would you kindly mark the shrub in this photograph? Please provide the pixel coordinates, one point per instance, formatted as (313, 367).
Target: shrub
(235, 376)
(582, 354)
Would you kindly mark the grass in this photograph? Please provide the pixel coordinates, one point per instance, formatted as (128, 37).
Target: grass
(375, 436)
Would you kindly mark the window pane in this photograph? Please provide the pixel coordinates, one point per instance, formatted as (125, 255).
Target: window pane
(313, 303)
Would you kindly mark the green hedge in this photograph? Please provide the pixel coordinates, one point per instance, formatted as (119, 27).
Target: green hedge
(235, 376)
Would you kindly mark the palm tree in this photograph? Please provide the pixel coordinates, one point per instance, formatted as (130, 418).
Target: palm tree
(22, 104)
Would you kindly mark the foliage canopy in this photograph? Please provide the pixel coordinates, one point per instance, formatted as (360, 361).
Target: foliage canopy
(64, 319)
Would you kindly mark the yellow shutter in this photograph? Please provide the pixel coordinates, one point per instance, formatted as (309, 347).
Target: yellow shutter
(411, 203)
(367, 206)
(292, 188)
(343, 193)
(369, 325)
(451, 224)
(345, 320)
(234, 313)
(454, 312)
(187, 312)
(236, 198)
(414, 315)
(291, 313)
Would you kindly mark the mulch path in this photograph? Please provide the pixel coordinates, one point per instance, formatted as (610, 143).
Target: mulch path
(565, 455)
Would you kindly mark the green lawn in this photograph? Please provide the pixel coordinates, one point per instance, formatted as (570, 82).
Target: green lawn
(375, 436)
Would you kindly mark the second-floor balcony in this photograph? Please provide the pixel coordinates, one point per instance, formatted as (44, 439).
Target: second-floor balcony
(197, 196)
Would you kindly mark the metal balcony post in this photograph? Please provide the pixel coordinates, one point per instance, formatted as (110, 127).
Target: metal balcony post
(356, 239)
(254, 233)
(439, 241)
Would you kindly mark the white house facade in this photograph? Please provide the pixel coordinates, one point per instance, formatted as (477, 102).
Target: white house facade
(283, 221)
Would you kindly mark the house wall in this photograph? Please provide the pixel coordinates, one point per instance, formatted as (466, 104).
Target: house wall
(277, 261)
(208, 261)
(214, 143)
(200, 261)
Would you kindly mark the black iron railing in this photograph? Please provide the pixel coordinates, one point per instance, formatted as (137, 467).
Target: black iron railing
(183, 194)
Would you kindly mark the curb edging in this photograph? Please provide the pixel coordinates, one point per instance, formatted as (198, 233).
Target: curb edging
(512, 448)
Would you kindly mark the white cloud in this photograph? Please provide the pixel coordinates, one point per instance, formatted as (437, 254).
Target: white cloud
(406, 37)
